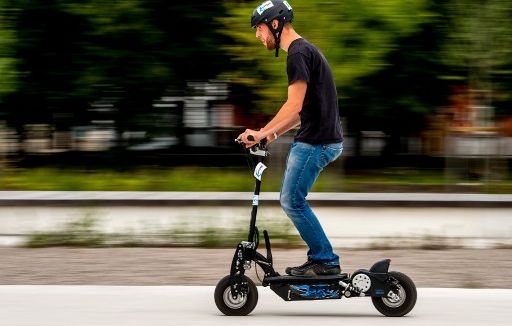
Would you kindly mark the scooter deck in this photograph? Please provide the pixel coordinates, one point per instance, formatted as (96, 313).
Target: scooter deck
(290, 279)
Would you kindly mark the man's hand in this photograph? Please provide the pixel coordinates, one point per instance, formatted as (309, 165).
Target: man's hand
(270, 138)
(256, 137)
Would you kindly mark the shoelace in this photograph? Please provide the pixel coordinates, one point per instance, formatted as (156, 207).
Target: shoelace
(309, 262)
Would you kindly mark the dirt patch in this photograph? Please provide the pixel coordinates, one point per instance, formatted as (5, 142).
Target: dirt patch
(466, 268)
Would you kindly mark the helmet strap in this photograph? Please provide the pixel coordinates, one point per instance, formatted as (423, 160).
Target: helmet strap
(277, 34)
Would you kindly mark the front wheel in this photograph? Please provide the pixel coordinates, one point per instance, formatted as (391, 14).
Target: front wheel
(399, 301)
(239, 305)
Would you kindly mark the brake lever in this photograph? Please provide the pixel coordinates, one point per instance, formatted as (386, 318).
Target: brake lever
(258, 149)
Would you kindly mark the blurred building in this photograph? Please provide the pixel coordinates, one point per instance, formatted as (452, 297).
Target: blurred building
(475, 146)
(201, 117)
(199, 124)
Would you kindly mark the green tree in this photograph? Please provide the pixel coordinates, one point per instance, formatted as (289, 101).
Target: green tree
(8, 72)
(478, 46)
(141, 48)
(399, 98)
(128, 53)
(355, 36)
(120, 56)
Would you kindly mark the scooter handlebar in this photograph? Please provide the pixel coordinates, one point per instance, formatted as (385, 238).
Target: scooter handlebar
(262, 142)
(259, 149)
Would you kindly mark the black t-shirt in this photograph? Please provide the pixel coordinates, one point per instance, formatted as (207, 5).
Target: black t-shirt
(319, 117)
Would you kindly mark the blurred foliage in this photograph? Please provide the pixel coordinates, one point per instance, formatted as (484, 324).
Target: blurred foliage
(395, 61)
(478, 46)
(399, 97)
(79, 233)
(8, 71)
(176, 179)
(283, 235)
(128, 53)
(479, 38)
(355, 36)
(84, 232)
(232, 179)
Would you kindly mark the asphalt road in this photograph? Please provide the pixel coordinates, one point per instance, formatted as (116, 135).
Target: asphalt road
(456, 268)
(193, 305)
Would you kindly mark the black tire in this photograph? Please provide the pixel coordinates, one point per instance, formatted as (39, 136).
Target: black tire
(235, 307)
(407, 295)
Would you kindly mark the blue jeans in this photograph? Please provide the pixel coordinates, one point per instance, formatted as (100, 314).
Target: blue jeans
(303, 166)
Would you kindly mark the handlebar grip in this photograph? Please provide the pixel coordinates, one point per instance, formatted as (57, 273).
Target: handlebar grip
(262, 142)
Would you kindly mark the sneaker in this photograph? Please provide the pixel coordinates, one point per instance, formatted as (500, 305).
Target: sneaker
(288, 270)
(311, 268)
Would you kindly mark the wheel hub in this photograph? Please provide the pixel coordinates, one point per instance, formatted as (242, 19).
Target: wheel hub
(395, 299)
(231, 301)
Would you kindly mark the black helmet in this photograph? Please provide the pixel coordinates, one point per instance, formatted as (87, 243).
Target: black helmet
(270, 10)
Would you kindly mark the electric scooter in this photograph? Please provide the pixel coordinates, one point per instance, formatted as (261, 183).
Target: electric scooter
(393, 293)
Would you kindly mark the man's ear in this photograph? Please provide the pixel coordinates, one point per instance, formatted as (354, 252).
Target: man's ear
(275, 23)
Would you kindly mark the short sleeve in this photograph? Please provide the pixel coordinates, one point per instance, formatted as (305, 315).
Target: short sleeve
(297, 68)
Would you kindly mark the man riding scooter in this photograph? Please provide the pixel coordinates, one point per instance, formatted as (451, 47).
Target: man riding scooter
(312, 102)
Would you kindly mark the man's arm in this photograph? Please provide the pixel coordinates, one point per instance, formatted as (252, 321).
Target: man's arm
(287, 117)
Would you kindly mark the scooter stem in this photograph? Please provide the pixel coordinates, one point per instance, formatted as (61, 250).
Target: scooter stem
(254, 212)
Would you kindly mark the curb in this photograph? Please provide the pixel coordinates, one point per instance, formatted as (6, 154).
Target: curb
(138, 198)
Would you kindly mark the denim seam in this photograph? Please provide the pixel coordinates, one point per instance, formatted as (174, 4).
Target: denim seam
(301, 210)
(320, 157)
(300, 177)
(286, 167)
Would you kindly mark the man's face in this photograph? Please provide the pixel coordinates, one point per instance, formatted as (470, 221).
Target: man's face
(265, 36)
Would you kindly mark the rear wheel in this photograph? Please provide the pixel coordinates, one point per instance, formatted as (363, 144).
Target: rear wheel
(236, 305)
(398, 301)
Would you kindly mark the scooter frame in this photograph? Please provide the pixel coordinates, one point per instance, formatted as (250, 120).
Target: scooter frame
(392, 293)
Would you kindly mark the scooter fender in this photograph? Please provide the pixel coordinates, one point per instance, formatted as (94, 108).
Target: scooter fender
(382, 266)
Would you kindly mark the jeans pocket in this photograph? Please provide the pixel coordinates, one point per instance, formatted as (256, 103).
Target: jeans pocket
(337, 147)
(332, 152)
